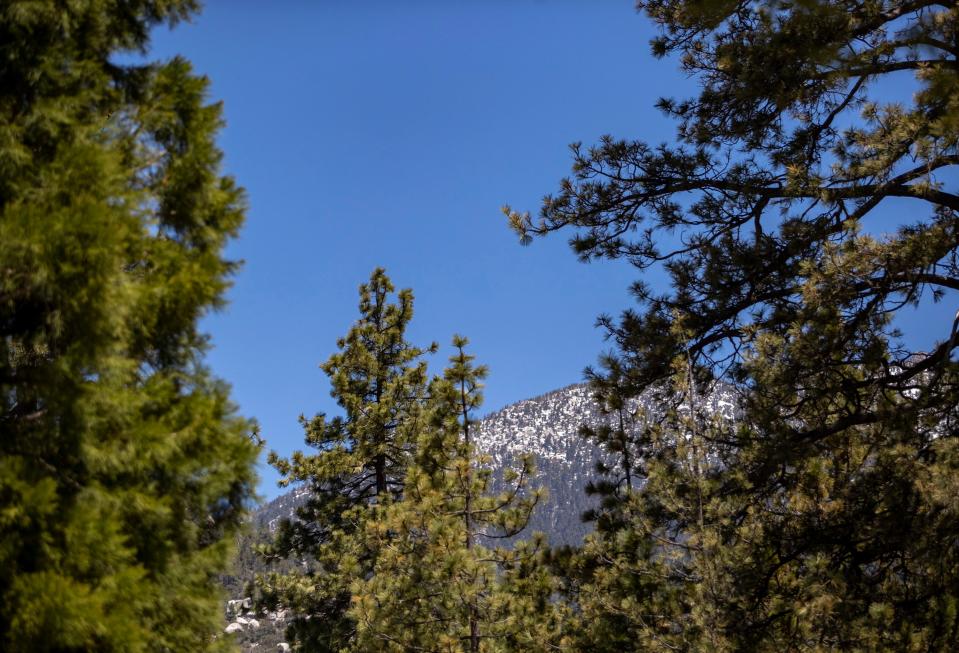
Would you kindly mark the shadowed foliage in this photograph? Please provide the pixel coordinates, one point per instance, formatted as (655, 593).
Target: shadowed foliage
(808, 199)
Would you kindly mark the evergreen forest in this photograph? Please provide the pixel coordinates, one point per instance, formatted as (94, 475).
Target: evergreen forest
(777, 464)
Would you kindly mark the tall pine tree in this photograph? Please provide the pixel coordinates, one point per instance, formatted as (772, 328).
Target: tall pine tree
(438, 585)
(651, 575)
(813, 203)
(124, 470)
(380, 381)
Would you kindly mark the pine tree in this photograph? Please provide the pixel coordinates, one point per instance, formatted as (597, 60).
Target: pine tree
(618, 434)
(124, 469)
(652, 573)
(787, 279)
(363, 457)
(437, 585)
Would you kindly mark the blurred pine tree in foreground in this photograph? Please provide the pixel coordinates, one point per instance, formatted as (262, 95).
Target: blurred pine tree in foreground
(124, 469)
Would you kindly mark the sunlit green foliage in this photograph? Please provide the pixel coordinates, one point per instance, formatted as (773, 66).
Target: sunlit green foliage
(438, 583)
(398, 536)
(124, 470)
(362, 458)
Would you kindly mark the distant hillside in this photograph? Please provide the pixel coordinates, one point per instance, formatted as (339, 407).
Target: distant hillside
(548, 428)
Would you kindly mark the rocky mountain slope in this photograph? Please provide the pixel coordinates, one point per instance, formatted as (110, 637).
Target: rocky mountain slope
(548, 428)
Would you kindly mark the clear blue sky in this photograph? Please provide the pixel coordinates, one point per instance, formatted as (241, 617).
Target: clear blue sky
(389, 134)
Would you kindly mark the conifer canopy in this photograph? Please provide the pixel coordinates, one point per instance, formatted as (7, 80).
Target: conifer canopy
(396, 543)
(124, 469)
(805, 203)
(380, 382)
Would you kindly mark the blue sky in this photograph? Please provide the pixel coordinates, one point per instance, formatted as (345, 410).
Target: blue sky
(390, 134)
(374, 134)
